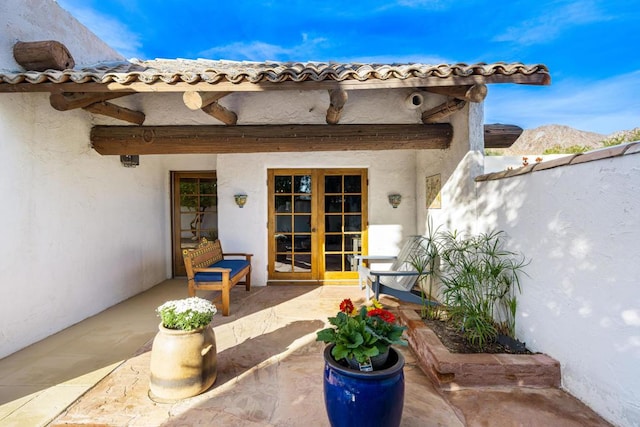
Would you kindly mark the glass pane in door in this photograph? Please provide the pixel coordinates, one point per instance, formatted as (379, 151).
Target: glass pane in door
(292, 223)
(194, 212)
(342, 221)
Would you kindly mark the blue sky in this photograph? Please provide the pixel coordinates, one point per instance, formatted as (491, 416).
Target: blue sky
(591, 47)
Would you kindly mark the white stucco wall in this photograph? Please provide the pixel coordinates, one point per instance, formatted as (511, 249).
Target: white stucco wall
(80, 232)
(457, 167)
(581, 302)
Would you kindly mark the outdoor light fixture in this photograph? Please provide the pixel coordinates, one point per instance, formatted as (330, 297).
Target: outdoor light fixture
(241, 199)
(130, 161)
(394, 200)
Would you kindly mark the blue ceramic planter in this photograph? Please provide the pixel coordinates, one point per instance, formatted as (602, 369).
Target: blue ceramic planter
(364, 399)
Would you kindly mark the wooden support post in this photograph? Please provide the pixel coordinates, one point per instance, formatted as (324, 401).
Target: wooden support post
(443, 110)
(473, 93)
(43, 55)
(120, 140)
(337, 99)
(117, 112)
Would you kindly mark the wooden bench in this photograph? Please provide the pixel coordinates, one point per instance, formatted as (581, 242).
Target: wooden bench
(401, 280)
(207, 269)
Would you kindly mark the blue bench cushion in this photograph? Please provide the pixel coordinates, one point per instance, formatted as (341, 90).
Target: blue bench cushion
(234, 264)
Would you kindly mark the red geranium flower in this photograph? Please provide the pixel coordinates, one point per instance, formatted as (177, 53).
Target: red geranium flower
(346, 306)
(383, 314)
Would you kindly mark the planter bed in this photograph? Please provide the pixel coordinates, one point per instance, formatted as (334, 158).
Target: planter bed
(456, 370)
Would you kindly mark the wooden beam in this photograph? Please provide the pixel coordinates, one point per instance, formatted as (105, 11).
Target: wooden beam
(337, 99)
(198, 100)
(216, 110)
(473, 93)
(224, 86)
(501, 136)
(122, 140)
(441, 111)
(43, 55)
(117, 112)
(71, 101)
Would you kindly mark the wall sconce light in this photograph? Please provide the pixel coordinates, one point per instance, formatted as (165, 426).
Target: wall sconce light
(130, 161)
(241, 199)
(394, 200)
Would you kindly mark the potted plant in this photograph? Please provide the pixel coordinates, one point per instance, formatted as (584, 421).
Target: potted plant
(363, 375)
(183, 354)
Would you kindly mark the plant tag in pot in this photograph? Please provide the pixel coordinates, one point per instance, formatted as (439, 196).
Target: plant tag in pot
(366, 366)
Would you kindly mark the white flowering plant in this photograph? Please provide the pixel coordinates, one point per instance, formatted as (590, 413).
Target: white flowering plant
(186, 314)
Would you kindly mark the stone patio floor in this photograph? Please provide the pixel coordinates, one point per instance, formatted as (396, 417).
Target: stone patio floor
(269, 372)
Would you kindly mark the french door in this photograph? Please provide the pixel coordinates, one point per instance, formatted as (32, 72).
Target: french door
(195, 212)
(317, 223)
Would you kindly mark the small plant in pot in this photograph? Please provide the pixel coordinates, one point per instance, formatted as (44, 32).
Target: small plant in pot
(183, 354)
(186, 314)
(362, 337)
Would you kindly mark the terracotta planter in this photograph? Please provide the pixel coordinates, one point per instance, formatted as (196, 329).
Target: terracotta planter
(183, 363)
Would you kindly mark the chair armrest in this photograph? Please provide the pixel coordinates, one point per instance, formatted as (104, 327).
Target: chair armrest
(366, 259)
(394, 273)
(247, 256)
(376, 257)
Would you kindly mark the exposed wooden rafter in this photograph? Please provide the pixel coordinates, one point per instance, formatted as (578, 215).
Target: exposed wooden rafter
(337, 99)
(473, 93)
(208, 102)
(117, 112)
(71, 101)
(197, 100)
(123, 140)
(43, 55)
(501, 136)
(442, 111)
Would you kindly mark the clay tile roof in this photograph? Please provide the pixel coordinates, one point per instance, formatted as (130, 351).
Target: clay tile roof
(209, 71)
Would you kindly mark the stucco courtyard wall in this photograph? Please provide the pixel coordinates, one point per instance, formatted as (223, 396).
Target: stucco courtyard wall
(80, 232)
(581, 302)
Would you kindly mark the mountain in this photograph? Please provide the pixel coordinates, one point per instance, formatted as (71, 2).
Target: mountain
(535, 141)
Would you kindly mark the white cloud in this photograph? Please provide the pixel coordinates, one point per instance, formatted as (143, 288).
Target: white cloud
(603, 106)
(261, 51)
(548, 27)
(108, 29)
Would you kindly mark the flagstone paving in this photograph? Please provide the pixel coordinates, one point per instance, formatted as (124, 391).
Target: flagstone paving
(270, 374)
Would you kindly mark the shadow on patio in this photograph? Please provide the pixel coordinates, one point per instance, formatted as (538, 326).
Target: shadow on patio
(270, 374)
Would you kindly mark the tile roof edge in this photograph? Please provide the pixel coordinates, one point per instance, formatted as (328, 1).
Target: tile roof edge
(569, 160)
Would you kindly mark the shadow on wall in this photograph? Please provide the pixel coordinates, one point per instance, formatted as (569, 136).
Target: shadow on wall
(579, 303)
